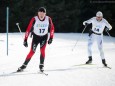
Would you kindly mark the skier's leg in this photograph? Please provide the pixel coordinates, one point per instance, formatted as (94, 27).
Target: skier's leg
(42, 57)
(100, 47)
(30, 54)
(42, 50)
(26, 61)
(90, 43)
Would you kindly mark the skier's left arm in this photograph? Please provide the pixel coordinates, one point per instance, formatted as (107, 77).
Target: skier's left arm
(51, 31)
(107, 24)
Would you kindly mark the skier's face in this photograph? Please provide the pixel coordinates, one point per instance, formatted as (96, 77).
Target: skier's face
(99, 18)
(41, 15)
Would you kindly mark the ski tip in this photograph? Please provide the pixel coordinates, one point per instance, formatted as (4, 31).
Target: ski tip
(109, 67)
(43, 73)
(46, 74)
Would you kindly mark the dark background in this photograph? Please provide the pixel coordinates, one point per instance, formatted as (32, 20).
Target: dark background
(67, 15)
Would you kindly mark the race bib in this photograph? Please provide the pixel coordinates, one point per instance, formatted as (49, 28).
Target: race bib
(98, 28)
(41, 27)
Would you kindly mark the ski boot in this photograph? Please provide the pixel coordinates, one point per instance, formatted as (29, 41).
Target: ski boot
(20, 69)
(104, 62)
(41, 67)
(90, 60)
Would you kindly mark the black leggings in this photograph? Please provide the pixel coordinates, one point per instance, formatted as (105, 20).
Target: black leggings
(38, 39)
(35, 41)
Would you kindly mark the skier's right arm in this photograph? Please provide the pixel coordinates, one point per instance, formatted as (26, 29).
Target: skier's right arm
(88, 22)
(28, 32)
(29, 28)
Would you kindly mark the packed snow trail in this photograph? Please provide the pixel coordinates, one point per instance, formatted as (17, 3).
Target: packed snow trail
(61, 63)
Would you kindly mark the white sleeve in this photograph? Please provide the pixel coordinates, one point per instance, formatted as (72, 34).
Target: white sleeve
(88, 21)
(107, 24)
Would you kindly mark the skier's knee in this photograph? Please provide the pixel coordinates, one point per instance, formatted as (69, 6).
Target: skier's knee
(34, 47)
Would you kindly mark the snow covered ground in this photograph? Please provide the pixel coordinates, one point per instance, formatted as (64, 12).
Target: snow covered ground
(61, 63)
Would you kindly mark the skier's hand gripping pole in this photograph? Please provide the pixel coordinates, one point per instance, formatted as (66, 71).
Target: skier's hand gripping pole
(50, 41)
(107, 31)
(79, 38)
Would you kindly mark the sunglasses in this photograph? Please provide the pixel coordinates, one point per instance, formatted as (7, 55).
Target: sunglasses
(99, 17)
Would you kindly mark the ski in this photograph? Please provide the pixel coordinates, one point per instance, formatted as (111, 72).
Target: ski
(91, 65)
(21, 73)
(43, 73)
(84, 64)
(7, 74)
(107, 67)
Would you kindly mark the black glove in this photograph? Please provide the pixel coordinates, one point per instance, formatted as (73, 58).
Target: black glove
(50, 41)
(86, 24)
(107, 29)
(25, 43)
(90, 32)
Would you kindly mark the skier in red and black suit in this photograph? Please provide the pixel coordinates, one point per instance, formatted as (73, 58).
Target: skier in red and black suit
(40, 25)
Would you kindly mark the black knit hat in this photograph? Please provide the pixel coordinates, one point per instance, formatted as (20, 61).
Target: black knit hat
(42, 9)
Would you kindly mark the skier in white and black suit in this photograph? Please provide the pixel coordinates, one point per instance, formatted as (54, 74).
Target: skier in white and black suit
(98, 26)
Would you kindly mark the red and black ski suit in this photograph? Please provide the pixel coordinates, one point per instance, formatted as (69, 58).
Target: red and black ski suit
(40, 36)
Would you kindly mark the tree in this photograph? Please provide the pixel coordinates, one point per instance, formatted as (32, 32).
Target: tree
(67, 15)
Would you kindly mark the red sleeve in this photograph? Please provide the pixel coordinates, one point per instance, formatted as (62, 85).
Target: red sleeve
(51, 28)
(29, 28)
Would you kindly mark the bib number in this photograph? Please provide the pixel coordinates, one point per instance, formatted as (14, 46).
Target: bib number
(41, 30)
(96, 29)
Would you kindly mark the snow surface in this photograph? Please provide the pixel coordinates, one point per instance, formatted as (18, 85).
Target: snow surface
(61, 63)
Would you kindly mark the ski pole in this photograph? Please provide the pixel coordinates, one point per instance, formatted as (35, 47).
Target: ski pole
(79, 38)
(109, 35)
(17, 24)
